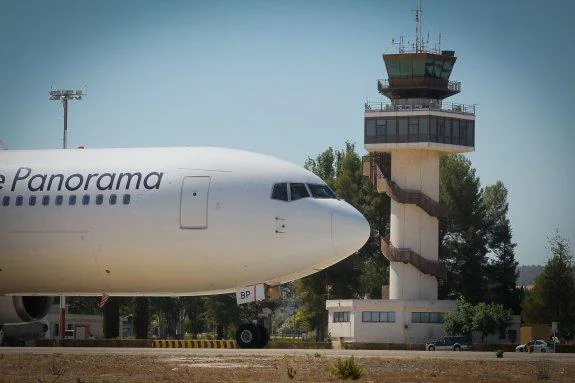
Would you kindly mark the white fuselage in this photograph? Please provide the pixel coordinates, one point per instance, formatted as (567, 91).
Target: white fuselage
(198, 221)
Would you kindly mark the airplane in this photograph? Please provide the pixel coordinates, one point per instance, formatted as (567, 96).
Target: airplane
(162, 222)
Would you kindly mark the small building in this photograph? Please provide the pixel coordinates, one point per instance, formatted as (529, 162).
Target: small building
(78, 326)
(386, 321)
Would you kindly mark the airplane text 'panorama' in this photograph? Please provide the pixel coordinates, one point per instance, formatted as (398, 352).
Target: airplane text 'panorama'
(37, 182)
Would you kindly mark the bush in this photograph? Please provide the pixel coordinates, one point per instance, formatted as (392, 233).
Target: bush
(499, 353)
(347, 369)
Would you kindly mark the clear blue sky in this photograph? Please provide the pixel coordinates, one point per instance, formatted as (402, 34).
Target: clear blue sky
(289, 78)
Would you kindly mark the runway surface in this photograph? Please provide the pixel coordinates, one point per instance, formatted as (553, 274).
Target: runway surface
(204, 352)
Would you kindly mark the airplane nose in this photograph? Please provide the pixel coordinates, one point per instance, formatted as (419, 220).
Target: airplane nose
(349, 231)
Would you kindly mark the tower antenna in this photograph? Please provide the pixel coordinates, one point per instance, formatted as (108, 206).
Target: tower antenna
(419, 43)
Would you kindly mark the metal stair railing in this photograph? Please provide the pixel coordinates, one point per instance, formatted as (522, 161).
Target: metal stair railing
(393, 254)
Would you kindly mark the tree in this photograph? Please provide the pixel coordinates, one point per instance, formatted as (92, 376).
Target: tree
(460, 321)
(112, 318)
(551, 298)
(462, 234)
(485, 318)
(195, 307)
(221, 311)
(489, 318)
(141, 317)
(501, 272)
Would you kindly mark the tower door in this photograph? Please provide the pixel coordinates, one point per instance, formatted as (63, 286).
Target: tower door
(194, 203)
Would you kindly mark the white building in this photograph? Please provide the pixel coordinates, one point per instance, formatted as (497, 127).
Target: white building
(386, 321)
(78, 326)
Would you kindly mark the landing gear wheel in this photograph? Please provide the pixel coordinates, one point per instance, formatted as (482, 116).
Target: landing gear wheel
(248, 336)
(264, 336)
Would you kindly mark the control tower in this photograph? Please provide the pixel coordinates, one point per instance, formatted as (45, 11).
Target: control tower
(406, 137)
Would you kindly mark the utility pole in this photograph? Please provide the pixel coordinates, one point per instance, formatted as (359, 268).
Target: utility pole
(65, 95)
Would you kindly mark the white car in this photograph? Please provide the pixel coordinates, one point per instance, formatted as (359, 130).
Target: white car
(538, 346)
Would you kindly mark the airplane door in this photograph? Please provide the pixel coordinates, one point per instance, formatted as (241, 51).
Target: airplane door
(194, 203)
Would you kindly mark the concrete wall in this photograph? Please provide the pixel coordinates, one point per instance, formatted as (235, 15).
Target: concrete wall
(411, 227)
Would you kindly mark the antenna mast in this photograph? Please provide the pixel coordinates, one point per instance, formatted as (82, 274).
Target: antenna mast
(419, 44)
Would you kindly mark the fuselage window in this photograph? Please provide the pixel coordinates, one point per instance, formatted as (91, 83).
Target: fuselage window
(298, 191)
(280, 192)
(32, 200)
(86, 199)
(45, 200)
(99, 199)
(19, 200)
(126, 199)
(113, 199)
(59, 199)
(6, 200)
(72, 200)
(321, 191)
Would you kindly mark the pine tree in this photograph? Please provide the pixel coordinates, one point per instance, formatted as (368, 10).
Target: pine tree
(551, 299)
(501, 271)
(462, 234)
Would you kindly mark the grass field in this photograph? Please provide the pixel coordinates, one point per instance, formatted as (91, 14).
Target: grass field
(311, 367)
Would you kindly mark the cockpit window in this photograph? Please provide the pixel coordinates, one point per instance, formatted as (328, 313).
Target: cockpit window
(321, 191)
(298, 191)
(280, 192)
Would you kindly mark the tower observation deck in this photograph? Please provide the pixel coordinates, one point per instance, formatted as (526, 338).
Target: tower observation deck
(407, 135)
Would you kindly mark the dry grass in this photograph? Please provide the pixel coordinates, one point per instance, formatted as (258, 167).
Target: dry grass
(219, 368)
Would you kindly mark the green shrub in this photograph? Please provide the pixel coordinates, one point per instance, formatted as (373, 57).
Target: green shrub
(499, 353)
(347, 369)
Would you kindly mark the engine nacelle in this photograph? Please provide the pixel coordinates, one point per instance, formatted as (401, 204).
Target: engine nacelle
(16, 309)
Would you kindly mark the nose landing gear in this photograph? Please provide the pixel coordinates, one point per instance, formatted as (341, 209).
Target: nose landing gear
(251, 335)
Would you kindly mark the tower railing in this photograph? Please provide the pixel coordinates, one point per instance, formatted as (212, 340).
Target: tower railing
(384, 184)
(408, 256)
(440, 107)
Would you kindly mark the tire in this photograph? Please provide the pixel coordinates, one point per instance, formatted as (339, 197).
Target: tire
(248, 336)
(264, 336)
(457, 348)
(431, 348)
(543, 349)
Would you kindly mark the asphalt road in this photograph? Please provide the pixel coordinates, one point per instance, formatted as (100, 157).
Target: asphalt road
(206, 352)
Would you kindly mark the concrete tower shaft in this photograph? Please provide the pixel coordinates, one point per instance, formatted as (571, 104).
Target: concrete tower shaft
(411, 227)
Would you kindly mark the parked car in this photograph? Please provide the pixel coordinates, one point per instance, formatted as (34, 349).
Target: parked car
(538, 345)
(455, 343)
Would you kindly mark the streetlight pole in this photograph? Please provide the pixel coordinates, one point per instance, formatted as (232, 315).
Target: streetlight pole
(65, 95)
